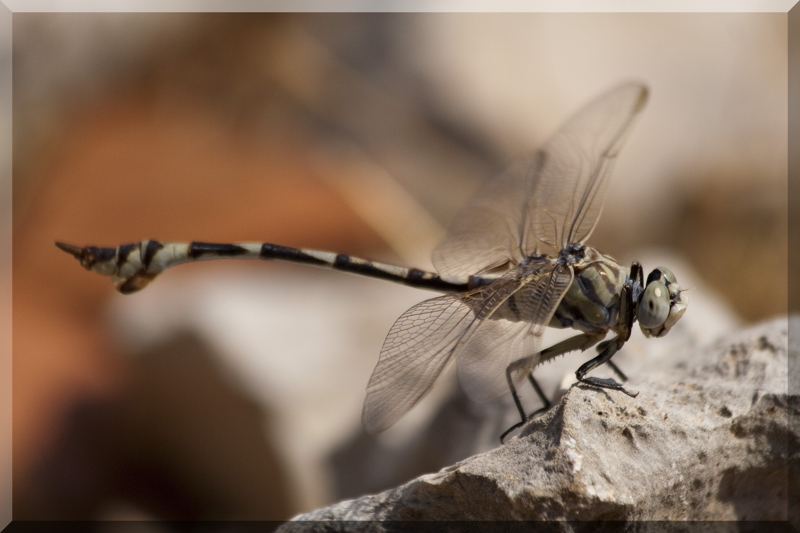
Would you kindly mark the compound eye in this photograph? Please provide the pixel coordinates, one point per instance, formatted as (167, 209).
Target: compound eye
(662, 274)
(668, 276)
(654, 305)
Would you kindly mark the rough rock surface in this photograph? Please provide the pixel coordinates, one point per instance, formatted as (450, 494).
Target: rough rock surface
(708, 438)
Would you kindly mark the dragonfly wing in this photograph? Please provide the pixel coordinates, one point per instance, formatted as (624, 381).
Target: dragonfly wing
(554, 196)
(485, 234)
(419, 346)
(566, 187)
(416, 350)
(507, 336)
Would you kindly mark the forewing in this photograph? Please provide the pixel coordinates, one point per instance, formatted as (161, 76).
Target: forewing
(565, 191)
(554, 196)
(419, 346)
(486, 233)
(506, 337)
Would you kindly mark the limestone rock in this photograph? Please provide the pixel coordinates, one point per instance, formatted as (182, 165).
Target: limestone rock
(708, 438)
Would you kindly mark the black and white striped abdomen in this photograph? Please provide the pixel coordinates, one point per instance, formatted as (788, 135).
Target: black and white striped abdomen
(133, 266)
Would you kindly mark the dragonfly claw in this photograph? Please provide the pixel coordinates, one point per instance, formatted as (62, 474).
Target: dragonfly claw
(76, 251)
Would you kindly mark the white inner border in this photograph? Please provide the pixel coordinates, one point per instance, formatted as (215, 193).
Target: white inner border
(44, 6)
(426, 6)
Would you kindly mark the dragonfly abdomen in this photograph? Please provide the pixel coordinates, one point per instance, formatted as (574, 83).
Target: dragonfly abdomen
(133, 266)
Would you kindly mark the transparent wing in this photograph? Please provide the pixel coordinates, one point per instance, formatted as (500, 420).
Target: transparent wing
(507, 336)
(554, 195)
(419, 346)
(416, 350)
(565, 195)
(486, 233)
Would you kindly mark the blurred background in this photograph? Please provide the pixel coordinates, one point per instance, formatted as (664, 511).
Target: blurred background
(233, 390)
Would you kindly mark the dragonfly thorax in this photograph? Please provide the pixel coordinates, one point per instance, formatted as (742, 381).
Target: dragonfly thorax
(592, 301)
(572, 254)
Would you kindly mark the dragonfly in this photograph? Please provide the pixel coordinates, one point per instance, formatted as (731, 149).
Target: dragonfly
(513, 263)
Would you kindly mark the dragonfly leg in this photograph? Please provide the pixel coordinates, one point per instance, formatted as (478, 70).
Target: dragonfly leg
(526, 364)
(546, 403)
(518, 403)
(609, 350)
(620, 374)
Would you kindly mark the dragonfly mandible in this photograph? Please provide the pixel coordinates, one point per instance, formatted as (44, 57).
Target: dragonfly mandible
(502, 288)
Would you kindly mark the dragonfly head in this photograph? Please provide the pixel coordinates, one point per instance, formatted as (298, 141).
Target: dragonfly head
(661, 304)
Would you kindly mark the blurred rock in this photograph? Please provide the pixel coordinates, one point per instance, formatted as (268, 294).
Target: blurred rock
(194, 444)
(181, 442)
(707, 439)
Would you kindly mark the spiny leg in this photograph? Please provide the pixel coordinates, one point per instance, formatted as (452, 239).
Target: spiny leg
(515, 396)
(547, 405)
(620, 374)
(609, 350)
(526, 364)
(630, 294)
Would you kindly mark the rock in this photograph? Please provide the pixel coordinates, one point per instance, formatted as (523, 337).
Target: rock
(708, 438)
